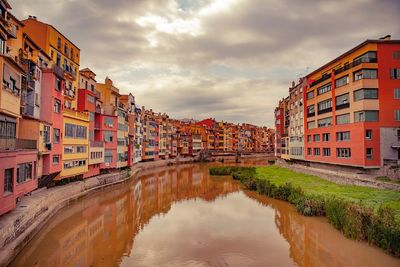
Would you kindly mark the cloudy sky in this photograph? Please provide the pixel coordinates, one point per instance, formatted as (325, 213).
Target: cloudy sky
(228, 59)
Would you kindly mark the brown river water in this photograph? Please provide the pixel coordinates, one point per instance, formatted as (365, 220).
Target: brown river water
(180, 216)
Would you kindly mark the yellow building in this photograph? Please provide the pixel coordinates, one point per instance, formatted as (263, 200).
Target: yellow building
(75, 154)
(65, 55)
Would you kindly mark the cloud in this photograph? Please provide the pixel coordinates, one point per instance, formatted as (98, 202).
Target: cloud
(229, 59)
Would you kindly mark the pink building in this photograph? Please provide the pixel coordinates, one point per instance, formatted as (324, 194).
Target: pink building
(18, 176)
(53, 84)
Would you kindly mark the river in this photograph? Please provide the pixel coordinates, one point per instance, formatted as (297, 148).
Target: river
(180, 216)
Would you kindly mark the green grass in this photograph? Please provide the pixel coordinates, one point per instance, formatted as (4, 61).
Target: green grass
(313, 185)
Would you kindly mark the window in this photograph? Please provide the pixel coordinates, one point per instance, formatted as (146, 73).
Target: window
(342, 81)
(91, 98)
(74, 149)
(74, 163)
(396, 54)
(308, 138)
(311, 125)
(324, 89)
(366, 115)
(310, 95)
(75, 131)
(109, 122)
(365, 74)
(342, 101)
(326, 152)
(46, 134)
(326, 137)
(7, 128)
(394, 74)
(343, 152)
(24, 172)
(58, 84)
(368, 134)
(397, 115)
(72, 53)
(325, 106)
(366, 93)
(91, 116)
(396, 93)
(311, 110)
(343, 119)
(368, 153)
(108, 156)
(309, 151)
(317, 151)
(8, 180)
(56, 159)
(56, 139)
(58, 62)
(57, 106)
(108, 136)
(58, 42)
(370, 56)
(325, 122)
(343, 136)
(317, 138)
(66, 49)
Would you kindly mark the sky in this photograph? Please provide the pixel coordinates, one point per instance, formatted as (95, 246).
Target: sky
(227, 59)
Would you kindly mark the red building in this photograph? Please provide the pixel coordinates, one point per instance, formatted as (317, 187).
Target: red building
(106, 127)
(352, 110)
(88, 101)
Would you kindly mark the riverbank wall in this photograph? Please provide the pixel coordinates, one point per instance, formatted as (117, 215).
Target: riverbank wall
(19, 226)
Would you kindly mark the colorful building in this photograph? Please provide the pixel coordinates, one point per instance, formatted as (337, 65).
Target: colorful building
(352, 110)
(107, 122)
(296, 120)
(88, 96)
(65, 55)
(18, 157)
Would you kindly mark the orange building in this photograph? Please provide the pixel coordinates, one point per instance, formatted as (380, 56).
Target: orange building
(352, 110)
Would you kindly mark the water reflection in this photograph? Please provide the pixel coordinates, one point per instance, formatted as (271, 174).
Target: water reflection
(179, 216)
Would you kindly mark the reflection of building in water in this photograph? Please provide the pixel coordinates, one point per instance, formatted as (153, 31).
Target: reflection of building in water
(99, 230)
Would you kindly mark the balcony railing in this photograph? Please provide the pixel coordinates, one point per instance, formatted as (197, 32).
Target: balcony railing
(96, 143)
(355, 63)
(320, 80)
(58, 71)
(342, 106)
(27, 110)
(324, 111)
(15, 143)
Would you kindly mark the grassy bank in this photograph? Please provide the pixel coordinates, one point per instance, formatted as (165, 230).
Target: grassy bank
(361, 213)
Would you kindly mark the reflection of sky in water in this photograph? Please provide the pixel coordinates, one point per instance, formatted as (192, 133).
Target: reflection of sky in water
(181, 217)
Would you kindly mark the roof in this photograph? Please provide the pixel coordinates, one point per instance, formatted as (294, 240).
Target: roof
(54, 28)
(369, 41)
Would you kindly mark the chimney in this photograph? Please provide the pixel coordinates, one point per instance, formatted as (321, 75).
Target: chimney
(387, 37)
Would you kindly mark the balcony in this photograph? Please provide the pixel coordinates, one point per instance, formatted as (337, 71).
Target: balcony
(355, 63)
(342, 106)
(324, 111)
(58, 71)
(96, 144)
(320, 80)
(28, 110)
(15, 143)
